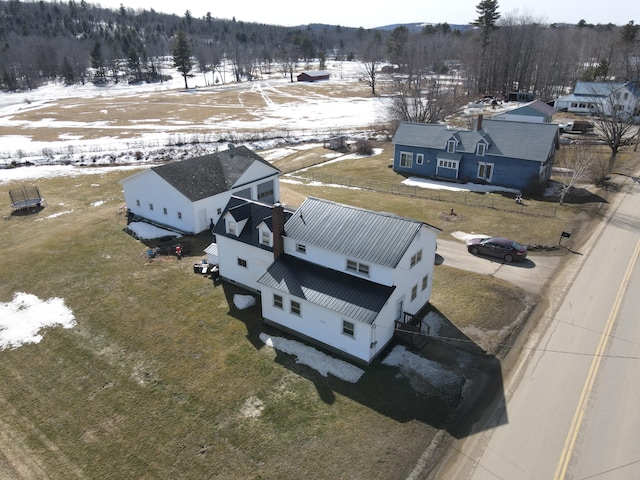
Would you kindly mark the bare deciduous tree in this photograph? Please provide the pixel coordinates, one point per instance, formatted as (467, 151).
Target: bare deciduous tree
(614, 118)
(423, 99)
(575, 164)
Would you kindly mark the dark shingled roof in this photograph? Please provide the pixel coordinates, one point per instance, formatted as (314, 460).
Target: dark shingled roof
(203, 177)
(350, 296)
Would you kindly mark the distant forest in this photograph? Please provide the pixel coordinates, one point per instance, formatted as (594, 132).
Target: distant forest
(77, 42)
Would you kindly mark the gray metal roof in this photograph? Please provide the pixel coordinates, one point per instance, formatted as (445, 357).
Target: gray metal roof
(352, 297)
(510, 139)
(209, 175)
(596, 89)
(374, 237)
(536, 108)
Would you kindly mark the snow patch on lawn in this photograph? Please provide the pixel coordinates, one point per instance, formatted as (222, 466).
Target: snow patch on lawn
(146, 231)
(314, 358)
(243, 301)
(26, 315)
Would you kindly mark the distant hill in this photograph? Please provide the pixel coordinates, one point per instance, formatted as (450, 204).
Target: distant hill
(417, 27)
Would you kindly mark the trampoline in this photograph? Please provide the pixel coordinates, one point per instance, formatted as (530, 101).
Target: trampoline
(26, 198)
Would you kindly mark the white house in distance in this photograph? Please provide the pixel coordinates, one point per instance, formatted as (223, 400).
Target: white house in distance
(335, 275)
(601, 96)
(189, 195)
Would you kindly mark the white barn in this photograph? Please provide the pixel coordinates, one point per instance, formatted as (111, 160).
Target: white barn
(335, 275)
(189, 196)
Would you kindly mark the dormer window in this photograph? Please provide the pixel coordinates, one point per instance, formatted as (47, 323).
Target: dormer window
(357, 267)
(481, 148)
(231, 227)
(451, 146)
(265, 237)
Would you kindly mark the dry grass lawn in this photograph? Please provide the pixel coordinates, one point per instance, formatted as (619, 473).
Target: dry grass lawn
(164, 378)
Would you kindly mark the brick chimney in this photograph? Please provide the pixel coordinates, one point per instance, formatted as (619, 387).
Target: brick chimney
(479, 124)
(277, 223)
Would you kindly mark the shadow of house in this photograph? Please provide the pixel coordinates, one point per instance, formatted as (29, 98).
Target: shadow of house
(474, 378)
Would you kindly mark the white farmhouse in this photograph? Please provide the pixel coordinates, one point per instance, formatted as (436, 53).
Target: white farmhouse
(335, 275)
(604, 97)
(189, 196)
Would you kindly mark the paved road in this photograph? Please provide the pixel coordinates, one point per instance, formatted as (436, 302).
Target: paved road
(532, 274)
(572, 398)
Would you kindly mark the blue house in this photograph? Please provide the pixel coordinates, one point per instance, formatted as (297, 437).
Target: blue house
(511, 154)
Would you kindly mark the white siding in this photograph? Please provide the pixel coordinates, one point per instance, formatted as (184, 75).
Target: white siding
(320, 324)
(406, 277)
(257, 262)
(148, 188)
(377, 273)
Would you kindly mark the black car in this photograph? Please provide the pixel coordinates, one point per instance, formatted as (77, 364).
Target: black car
(498, 247)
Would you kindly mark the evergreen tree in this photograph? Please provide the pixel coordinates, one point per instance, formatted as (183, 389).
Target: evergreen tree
(97, 63)
(182, 56)
(489, 15)
(134, 66)
(67, 72)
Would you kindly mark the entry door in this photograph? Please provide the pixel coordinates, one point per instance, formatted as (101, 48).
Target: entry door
(399, 308)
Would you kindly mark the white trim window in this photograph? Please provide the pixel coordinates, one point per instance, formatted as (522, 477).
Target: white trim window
(419, 158)
(231, 227)
(416, 258)
(485, 171)
(278, 301)
(295, 308)
(357, 267)
(452, 164)
(265, 237)
(406, 159)
(481, 148)
(451, 146)
(348, 328)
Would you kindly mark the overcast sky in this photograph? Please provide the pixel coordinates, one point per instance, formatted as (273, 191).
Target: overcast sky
(370, 14)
